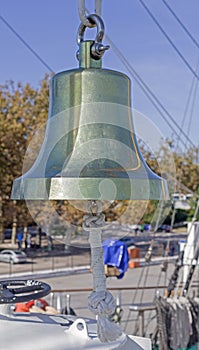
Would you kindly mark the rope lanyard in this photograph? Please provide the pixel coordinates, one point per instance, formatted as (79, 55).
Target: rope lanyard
(100, 301)
(82, 12)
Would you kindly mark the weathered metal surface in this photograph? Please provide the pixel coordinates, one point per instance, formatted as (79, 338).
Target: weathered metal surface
(90, 150)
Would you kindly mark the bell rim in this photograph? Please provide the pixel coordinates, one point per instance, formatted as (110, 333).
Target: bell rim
(62, 188)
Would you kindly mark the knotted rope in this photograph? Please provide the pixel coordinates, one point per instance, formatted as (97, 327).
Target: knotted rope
(100, 301)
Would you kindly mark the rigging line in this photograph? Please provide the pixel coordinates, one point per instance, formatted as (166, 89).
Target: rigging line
(168, 38)
(148, 92)
(140, 82)
(191, 116)
(190, 120)
(186, 287)
(141, 297)
(26, 44)
(145, 88)
(188, 101)
(181, 23)
(179, 262)
(192, 107)
(191, 113)
(150, 317)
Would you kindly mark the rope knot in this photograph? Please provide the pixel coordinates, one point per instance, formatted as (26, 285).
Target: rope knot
(94, 222)
(101, 303)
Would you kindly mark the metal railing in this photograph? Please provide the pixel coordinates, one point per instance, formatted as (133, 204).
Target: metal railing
(141, 313)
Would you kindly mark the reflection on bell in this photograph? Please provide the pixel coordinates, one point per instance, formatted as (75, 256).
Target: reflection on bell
(90, 150)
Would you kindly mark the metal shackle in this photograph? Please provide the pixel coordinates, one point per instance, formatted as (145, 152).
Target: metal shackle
(97, 49)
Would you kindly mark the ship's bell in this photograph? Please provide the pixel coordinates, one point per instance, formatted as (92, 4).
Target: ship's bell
(90, 150)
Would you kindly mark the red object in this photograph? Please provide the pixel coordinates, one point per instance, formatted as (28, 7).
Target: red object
(21, 307)
(41, 303)
(25, 307)
(29, 304)
(134, 255)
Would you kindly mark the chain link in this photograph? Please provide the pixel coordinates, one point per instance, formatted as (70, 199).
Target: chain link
(82, 12)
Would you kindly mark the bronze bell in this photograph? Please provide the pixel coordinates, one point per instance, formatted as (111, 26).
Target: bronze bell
(90, 150)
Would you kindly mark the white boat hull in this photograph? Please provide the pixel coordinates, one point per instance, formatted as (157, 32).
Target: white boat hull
(58, 332)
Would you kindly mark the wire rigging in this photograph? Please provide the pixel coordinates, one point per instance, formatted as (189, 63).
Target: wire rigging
(195, 42)
(26, 44)
(150, 94)
(188, 102)
(194, 90)
(147, 91)
(181, 23)
(169, 39)
(138, 79)
(192, 107)
(197, 67)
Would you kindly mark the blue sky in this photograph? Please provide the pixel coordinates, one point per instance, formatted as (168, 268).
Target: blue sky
(50, 28)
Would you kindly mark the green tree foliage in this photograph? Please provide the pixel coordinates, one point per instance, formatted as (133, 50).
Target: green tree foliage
(185, 178)
(22, 110)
